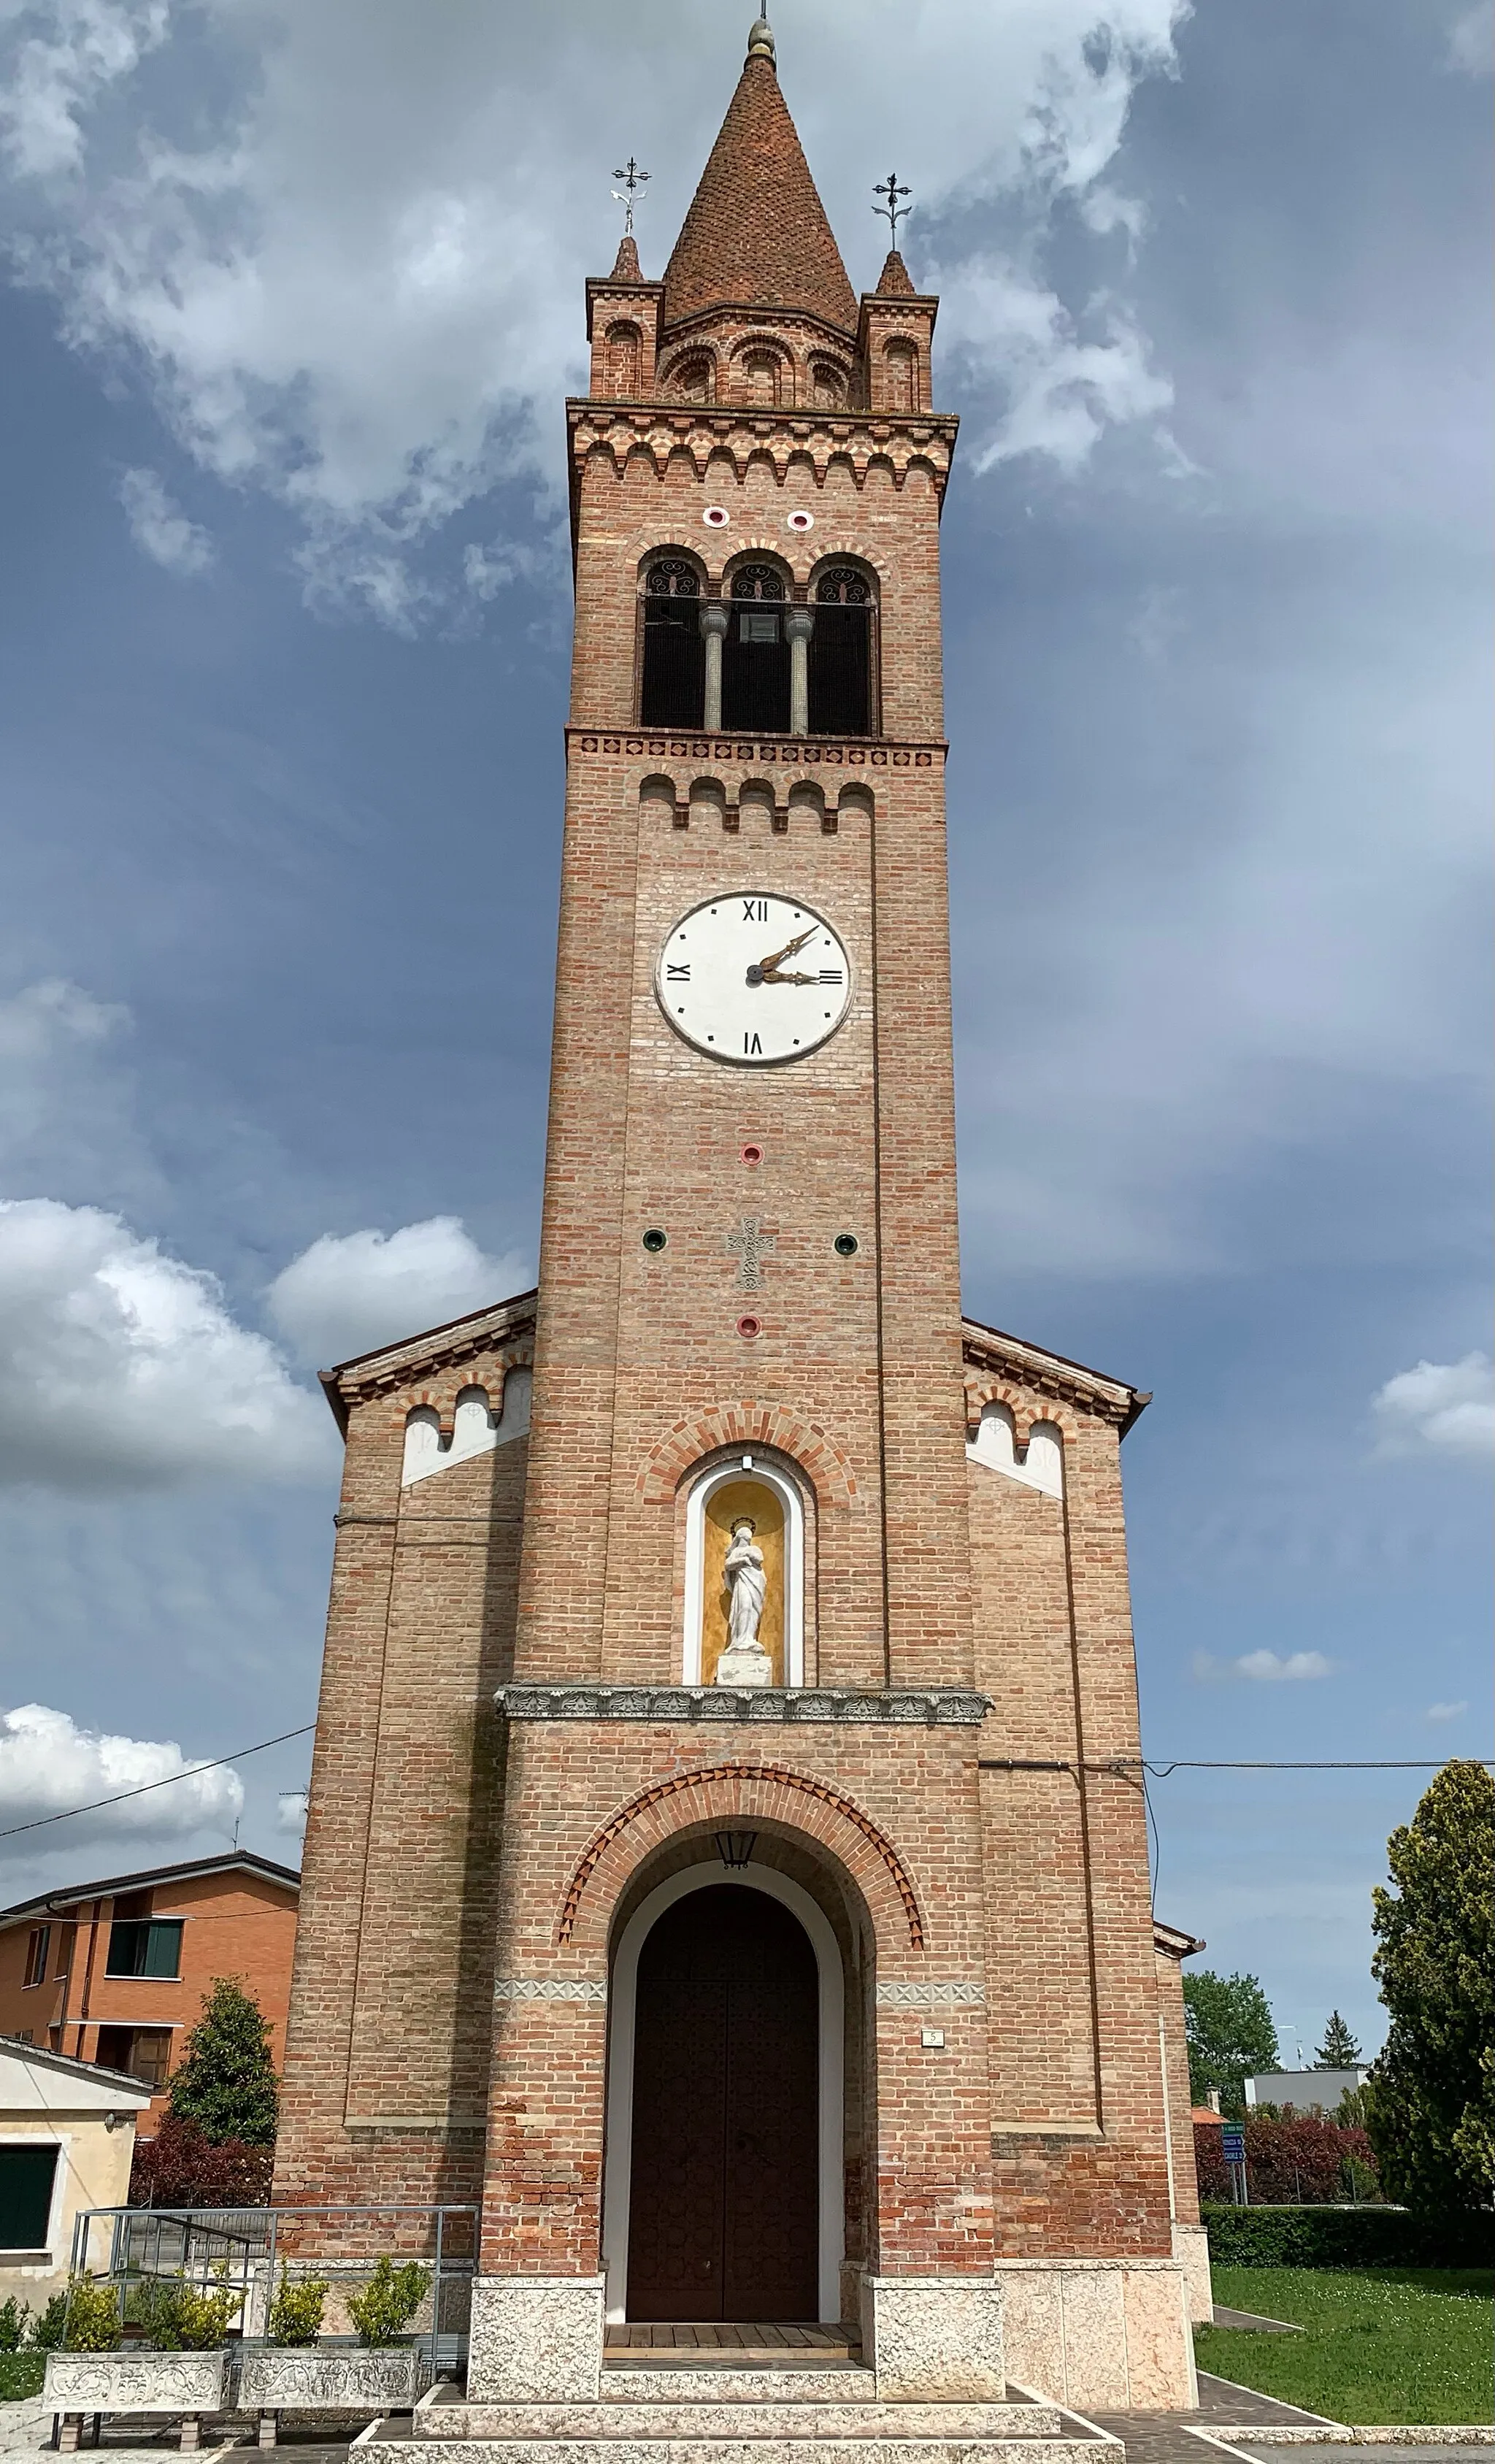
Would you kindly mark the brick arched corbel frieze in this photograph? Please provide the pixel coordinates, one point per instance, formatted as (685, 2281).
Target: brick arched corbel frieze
(1027, 1409)
(735, 1792)
(818, 1456)
(489, 1370)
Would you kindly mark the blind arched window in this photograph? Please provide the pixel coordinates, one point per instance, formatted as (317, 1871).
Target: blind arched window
(840, 654)
(674, 691)
(755, 657)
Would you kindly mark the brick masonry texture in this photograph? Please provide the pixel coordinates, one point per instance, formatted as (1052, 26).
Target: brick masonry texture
(448, 1852)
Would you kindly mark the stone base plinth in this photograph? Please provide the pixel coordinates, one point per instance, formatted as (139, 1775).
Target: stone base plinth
(935, 2339)
(537, 2339)
(1102, 2335)
(1192, 2250)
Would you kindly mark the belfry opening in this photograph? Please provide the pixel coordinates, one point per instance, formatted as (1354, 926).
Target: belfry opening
(726, 1890)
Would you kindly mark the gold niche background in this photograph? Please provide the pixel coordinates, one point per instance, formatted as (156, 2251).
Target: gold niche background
(725, 1506)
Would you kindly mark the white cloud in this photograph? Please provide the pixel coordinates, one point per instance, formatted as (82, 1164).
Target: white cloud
(1266, 1668)
(160, 528)
(48, 1765)
(1446, 1711)
(291, 1812)
(43, 1016)
(1061, 383)
(121, 1368)
(58, 74)
(348, 1293)
(1471, 40)
(356, 283)
(1449, 1406)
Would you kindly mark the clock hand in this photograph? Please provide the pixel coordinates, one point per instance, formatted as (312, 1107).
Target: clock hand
(763, 971)
(787, 952)
(772, 975)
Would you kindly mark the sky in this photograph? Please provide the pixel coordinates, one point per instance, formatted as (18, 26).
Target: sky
(290, 299)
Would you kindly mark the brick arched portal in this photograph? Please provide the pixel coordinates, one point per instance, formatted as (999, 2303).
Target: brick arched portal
(736, 1794)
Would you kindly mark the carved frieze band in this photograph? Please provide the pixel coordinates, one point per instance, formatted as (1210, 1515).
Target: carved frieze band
(857, 443)
(940, 1707)
(898, 1997)
(819, 753)
(547, 1989)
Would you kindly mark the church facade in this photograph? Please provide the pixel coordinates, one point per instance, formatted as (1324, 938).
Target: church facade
(726, 1861)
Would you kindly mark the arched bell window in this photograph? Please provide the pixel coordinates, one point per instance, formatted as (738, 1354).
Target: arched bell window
(625, 363)
(755, 657)
(673, 685)
(840, 654)
(693, 378)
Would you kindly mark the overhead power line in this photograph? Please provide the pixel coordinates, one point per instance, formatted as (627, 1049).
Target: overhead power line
(171, 1778)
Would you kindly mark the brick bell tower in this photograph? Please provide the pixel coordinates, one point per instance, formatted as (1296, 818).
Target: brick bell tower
(745, 1766)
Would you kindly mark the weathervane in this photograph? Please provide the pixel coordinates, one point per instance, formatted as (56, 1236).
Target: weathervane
(634, 180)
(892, 211)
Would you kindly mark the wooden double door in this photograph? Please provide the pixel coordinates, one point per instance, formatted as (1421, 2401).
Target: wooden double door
(723, 2199)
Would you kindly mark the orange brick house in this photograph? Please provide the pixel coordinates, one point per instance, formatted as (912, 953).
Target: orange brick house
(117, 1971)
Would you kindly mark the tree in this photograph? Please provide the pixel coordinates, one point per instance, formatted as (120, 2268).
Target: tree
(183, 2167)
(1432, 2114)
(1228, 2025)
(226, 2083)
(1339, 2051)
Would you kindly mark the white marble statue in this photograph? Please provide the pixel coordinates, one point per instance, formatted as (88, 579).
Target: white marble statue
(744, 1661)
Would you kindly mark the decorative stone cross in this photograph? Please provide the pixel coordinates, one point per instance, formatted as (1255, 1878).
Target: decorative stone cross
(750, 1244)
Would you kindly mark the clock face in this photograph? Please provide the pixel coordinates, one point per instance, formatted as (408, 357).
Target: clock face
(752, 979)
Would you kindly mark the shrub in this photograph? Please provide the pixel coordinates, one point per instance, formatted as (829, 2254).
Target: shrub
(21, 2375)
(92, 2311)
(1292, 2160)
(183, 2167)
(181, 2317)
(296, 2312)
(1343, 2237)
(49, 2331)
(13, 2316)
(389, 2302)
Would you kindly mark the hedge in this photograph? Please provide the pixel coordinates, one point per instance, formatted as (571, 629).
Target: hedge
(1345, 2237)
(21, 2374)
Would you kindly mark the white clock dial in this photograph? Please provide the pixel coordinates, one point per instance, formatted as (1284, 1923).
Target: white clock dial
(750, 977)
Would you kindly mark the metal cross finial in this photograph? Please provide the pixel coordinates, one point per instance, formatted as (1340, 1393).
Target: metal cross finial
(892, 212)
(634, 180)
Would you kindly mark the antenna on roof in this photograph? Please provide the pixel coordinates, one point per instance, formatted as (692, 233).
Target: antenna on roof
(892, 211)
(633, 181)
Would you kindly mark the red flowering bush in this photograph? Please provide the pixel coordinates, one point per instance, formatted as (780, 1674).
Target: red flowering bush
(183, 2167)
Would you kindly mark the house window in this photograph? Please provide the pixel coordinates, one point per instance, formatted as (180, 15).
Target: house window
(755, 662)
(143, 2053)
(36, 1946)
(27, 2175)
(144, 1946)
(840, 655)
(673, 691)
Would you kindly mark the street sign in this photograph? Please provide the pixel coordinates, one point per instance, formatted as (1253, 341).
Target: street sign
(1232, 2146)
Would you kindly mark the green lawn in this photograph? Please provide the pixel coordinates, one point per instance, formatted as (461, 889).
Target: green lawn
(1383, 2344)
(21, 2374)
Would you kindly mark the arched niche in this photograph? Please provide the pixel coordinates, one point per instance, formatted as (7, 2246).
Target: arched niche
(476, 1428)
(995, 1446)
(750, 1487)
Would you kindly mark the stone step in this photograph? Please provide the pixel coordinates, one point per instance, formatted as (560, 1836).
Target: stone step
(709, 2412)
(566, 2434)
(841, 2383)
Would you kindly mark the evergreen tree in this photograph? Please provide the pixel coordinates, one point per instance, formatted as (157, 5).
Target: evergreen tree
(1339, 2050)
(226, 2083)
(1229, 2024)
(1432, 2112)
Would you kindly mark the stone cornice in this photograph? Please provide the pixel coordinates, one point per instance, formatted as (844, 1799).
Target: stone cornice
(397, 1364)
(933, 1707)
(1048, 1372)
(898, 442)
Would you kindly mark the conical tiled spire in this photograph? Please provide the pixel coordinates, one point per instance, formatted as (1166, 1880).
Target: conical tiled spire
(895, 280)
(756, 233)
